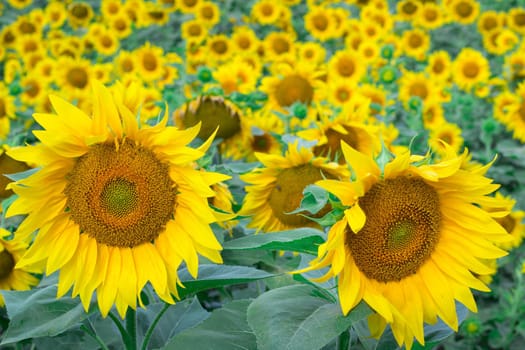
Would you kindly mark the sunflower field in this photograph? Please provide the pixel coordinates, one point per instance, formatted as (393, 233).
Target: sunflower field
(262, 174)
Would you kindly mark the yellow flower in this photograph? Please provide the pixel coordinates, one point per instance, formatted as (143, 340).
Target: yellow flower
(79, 14)
(300, 83)
(470, 68)
(115, 205)
(107, 42)
(111, 8)
(516, 20)
(514, 115)
(463, 11)
(409, 239)
(408, 9)
(13, 277)
(417, 84)
(236, 75)
(311, 52)
(208, 13)
(279, 47)
(346, 65)
(120, 25)
(319, 22)
(149, 60)
(74, 77)
(439, 65)
(244, 39)
(7, 110)
(276, 189)
(188, 6)
(490, 20)
(56, 14)
(430, 16)
(194, 31)
(415, 43)
(266, 11)
(219, 48)
(450, 133)
(20, 4)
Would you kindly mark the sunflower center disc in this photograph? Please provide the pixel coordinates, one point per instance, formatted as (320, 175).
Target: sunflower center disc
(287, 194)
(120, 197)
(7, 263)
(403, 222)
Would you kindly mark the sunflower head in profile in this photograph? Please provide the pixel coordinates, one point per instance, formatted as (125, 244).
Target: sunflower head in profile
(116, 205)
(413, 234)
(212, 112)
(275, 190)
(13, 277)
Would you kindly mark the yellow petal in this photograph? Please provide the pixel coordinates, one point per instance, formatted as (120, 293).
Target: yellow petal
(356, 217)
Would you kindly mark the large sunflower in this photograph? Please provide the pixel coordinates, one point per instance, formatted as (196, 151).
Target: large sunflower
(11, 276)
(276, 189)
(116, 205)
(410, 239)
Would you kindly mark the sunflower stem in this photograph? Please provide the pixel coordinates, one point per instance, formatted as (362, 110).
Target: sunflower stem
(123, 333)
(343, 341)
(151, 328)
(131, 328)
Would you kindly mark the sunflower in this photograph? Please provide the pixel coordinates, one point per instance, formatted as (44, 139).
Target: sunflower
(417, 85)
(219, 48)
(188, 6)
(490, 20)
(512, 223)
(450, 133)
(409, 240)
(433, 114)
(74, 76)
(279, 47)
(311, 52)
(34, 90)
(415, 43)
(408, 9)
(516, 20)
(56, 14)
(194, 31)
(212, 112)
(149, 60)
(319, 23)
(107, 42)
(329, 133)
(120, 25)
(515, 65)
(79, 14)
(208, 13)
(155, 14)
(431, 16)
(236, 75)
(463, 11)
(276, 189)
(340, 91)
(470, 68)
(346, 65)
(244, 39)
(289, 85)
(7, 110)
(514, 116)
(8, 165)
(261, 135)
(439, 65)
(115, 205)
(8, 37)
(20, 4)
(13, 277)
(110, 8)
(266, 11)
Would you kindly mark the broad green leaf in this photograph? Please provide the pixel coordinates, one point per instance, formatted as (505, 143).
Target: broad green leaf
(297, 317)
(226, 329)
(314, 199)
(215, 276)
(177, 318)
(38, 313)
(303, 240)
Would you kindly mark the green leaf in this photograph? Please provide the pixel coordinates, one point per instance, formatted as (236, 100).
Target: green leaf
(226, 329)
(304, 240)
(179, 317)
(314, 199)
(215, 276)
(297, 317)
(38, 313)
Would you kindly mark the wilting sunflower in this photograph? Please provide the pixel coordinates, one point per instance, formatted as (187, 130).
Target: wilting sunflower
(13, 277)
(115, 205)
(410, 239)
(276, 189)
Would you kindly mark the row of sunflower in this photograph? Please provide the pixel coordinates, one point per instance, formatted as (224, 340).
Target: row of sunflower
(164, 150)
